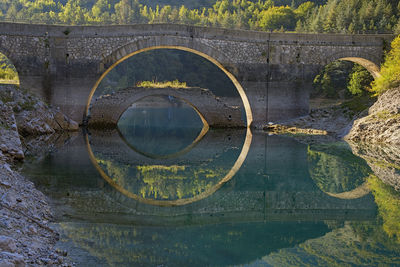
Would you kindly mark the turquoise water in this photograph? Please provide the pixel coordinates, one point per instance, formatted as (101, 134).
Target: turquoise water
(141, 196)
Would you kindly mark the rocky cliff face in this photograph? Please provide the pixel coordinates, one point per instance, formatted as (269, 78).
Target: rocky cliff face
(10, 144)
(382, 125)
(25, 235)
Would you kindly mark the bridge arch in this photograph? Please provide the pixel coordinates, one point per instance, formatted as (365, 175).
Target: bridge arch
(170, 42)
(8, 71)
(107, 110)
(369, 62)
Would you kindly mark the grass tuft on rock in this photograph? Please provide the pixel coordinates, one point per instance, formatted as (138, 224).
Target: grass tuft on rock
(165, 84)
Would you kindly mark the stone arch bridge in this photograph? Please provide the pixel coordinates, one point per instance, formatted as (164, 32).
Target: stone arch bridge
(107, 110)
(274, 71)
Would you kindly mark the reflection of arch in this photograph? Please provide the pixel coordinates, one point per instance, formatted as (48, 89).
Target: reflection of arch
(369, 62)
(203, 131)
(358, 192)
(235, 168)
(11, 67)
(333, 165)
(170, 42)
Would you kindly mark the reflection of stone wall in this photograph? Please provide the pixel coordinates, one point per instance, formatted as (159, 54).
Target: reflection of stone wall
(384, 161)
(106, 110)
(271, 185)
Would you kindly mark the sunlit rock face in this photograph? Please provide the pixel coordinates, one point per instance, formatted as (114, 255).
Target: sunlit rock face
(160, 126)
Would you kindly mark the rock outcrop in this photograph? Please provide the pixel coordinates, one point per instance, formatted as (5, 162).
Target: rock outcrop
(10, 144)
(25, 235)
(382, 125)
(33, 117)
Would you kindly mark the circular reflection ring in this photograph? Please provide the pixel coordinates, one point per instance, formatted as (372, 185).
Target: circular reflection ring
(228, 176)
(358, 192)
(242, 93)
(179, 202)
(204, 130)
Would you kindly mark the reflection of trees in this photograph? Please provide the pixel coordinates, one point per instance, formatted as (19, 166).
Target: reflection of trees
(388, 201)
(206, 245)
(335, 169)
(351, 244)
(163, 182)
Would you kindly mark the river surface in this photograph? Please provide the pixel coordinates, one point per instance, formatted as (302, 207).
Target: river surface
(175, 193)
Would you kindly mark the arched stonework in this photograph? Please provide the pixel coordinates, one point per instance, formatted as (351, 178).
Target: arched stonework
(107, 110)
(154, 42)
(273, 69)
(168, 42)
(368, 61)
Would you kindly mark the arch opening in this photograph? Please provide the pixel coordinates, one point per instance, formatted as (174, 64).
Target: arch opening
(343, 80)
(124, 56)
(8, 72)
(203, 120)
(367, 64)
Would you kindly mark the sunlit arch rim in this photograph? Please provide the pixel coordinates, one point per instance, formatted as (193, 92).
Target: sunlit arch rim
(179, 202)
(368, 61)
(367, 64)
(358, 192)
(242, 93)
(203, 131)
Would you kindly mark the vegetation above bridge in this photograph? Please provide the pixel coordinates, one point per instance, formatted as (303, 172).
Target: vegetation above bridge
(340, 16)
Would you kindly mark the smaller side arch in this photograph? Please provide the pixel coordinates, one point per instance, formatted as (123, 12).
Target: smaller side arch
(369, 62)
(369, 65)
(8, 68)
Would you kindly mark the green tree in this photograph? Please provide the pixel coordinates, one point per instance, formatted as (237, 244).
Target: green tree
(360, 80)
(277, 17)
(390, 72)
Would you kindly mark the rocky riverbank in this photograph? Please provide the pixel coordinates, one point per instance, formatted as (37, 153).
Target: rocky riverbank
(321, 125)
(373, 134)
(379, 124)
(382, 125)
(26, 238)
